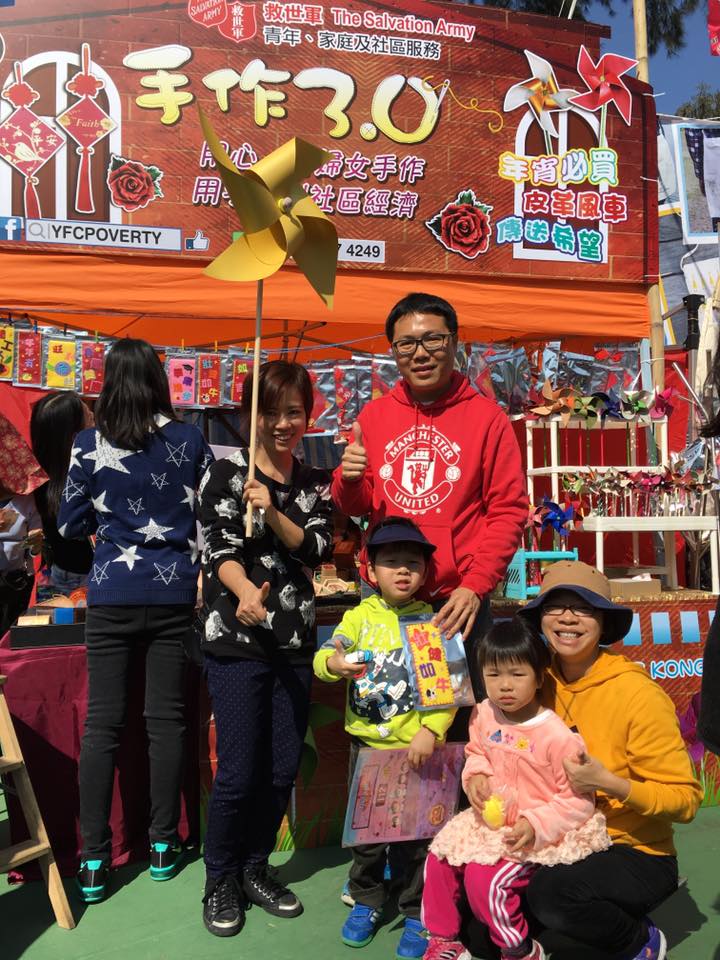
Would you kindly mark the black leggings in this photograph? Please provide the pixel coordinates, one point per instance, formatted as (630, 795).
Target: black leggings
(602, 901)
(261, 714)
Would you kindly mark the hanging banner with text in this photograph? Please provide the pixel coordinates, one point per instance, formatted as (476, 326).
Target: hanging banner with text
(462, 140)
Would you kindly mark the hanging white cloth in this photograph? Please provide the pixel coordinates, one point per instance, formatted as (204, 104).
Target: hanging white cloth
(711, 164)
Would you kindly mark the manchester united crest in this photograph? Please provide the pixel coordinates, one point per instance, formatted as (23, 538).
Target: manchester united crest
(420, 469)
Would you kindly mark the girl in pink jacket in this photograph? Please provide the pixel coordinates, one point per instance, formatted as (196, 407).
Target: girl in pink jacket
(523, 810)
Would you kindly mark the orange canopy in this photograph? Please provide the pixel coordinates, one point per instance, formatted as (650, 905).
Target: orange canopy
(167, 302)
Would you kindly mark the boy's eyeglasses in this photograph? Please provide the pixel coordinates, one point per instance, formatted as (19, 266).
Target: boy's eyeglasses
(577, 609)
(431, 343)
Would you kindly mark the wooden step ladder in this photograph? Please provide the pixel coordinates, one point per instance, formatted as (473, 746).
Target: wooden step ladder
(38, 847)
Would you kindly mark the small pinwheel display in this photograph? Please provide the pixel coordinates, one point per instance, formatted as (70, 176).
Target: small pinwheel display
(555, 518)
(615, 492)
(604, 85)
(662, 405)
(542, 94)
(609, 406)
(586, 409)
(553, 401)
(634, 403)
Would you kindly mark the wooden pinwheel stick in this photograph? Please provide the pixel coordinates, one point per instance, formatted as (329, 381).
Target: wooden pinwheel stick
(252, 448)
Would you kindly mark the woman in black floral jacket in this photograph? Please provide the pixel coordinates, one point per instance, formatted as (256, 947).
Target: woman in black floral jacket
(259, 642)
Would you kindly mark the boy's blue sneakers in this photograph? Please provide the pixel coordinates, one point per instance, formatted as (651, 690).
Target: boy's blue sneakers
(91, 880)
(359, 928)
(413, 942)
(165, 860)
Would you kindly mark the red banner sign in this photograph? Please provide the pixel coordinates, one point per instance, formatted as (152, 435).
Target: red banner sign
(461, 140)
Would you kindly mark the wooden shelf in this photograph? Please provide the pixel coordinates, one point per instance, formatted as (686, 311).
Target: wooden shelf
(549, 471)
(12, 857)
(668, 526)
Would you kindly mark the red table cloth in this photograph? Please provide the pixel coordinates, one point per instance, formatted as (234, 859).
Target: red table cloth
(46, 692)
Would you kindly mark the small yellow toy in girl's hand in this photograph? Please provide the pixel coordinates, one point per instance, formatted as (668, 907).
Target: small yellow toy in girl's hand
(493, 811)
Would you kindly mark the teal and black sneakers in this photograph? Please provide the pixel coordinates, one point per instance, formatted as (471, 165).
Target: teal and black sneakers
(91, 880)
(165, 860)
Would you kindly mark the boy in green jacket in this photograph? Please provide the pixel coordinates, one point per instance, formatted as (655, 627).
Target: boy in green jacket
(380, 713)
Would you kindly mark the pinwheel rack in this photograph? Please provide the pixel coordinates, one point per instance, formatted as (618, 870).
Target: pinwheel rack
(667, 526)
(555, 468)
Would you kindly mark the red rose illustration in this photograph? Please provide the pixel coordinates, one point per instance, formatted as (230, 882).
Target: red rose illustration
(465, 229)
(463, 226)
(132, 184)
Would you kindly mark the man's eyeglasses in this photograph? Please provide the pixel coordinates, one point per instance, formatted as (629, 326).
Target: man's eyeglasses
(431, 343)
(577, 609)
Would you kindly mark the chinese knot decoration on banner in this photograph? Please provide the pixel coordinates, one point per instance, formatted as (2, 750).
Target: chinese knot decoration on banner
(87, 123)
(26, 141)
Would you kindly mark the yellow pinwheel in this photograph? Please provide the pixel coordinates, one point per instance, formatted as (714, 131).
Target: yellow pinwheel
(278, 218)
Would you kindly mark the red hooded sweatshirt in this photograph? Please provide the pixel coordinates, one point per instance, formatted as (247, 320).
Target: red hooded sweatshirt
(454, 467)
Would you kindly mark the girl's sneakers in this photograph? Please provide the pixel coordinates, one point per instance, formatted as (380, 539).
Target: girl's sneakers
(656, 945)
(446, 950)
(413, 942)
(91, 880)
(536, 952)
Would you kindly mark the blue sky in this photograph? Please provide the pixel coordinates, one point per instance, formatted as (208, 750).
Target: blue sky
(675, 77)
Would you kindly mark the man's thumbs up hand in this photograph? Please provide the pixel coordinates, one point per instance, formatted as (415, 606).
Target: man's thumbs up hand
(354, 460)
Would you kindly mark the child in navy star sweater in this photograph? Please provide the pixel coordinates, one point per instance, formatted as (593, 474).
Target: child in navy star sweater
(141, 507)
(132, 482)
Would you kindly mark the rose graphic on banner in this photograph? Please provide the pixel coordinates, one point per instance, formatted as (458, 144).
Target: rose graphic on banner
(132, 185)
(463, 226)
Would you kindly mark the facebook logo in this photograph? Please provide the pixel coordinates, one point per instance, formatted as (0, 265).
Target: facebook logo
(10, 227)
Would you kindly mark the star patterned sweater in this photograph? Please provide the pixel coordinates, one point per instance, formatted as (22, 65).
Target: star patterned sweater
(141, 507)
(288, 629)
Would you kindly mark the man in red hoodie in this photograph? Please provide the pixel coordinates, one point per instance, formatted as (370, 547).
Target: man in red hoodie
(436, 450)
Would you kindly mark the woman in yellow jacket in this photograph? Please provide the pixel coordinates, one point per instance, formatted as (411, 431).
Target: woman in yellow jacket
(636, 763)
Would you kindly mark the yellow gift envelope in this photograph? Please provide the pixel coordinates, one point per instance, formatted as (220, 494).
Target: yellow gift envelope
(437, 665)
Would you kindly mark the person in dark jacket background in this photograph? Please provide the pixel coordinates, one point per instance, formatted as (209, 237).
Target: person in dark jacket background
(55, 421)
